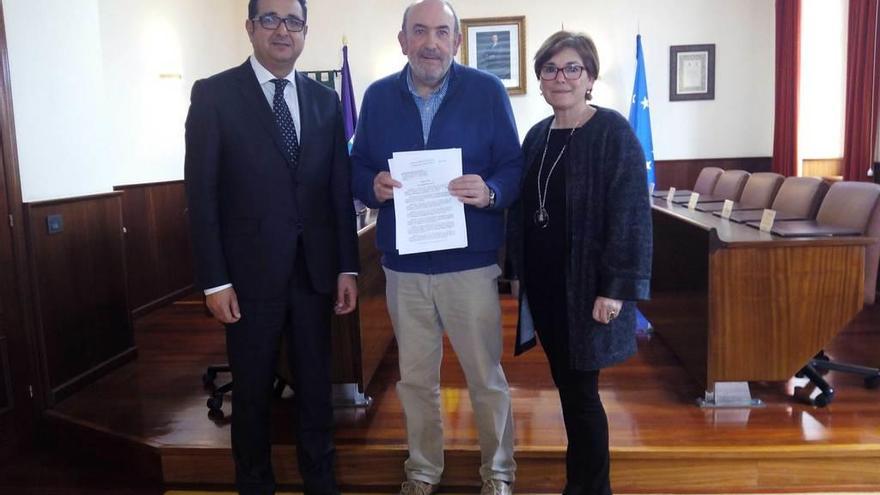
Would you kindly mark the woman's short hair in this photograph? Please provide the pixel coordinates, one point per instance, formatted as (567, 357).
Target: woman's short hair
(579, 42)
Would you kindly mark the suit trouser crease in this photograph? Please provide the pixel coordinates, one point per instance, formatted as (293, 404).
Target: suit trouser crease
(252, 346)
(465, 305)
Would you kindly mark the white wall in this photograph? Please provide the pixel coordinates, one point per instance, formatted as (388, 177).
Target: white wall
(90, 107)
(152, 53)
(58, 97)
(739, 122)
(92, 110)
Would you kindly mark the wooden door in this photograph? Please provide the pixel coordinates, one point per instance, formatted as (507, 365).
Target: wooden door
(15, 389)
(17, 386)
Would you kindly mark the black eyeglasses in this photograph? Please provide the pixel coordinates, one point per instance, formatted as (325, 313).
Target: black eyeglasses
(570, 72)
(272, 21)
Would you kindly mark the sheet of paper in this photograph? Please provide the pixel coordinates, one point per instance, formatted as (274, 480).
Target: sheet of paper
(670, 195)
(427, 217)
(767, 220)
(727, 210)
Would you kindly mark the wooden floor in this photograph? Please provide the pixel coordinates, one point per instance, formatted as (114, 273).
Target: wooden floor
(152, 412)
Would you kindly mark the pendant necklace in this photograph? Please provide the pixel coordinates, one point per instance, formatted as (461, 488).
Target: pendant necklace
(541, 217)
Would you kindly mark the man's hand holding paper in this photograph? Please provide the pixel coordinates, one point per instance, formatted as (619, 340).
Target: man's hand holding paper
(470, 189)
(427, 216)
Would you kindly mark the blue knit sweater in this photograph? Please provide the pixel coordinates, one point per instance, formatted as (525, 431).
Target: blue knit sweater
(475, 116)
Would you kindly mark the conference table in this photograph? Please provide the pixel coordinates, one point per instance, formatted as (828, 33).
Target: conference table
(736, 304)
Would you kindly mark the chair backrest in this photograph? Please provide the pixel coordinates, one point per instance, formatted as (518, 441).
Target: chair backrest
(856, 205)
(730, 185)
(761, 189)
(872, 256)
(849, 204)
(706, 180)
(800, 196)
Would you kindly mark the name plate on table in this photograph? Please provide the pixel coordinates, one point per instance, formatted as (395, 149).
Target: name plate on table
(767, 220)
(727, 209)
(692, 202)
(651, 189)
(670, 195)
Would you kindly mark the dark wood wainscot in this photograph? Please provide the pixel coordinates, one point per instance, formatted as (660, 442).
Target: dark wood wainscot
(76, 256)
(682, 174)
(158, 250)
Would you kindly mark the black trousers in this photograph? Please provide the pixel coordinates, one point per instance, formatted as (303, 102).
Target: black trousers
(252, 345)
(587, 462)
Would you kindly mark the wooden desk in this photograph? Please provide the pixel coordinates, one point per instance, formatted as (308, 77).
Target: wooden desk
(737, 304)
(361, 339)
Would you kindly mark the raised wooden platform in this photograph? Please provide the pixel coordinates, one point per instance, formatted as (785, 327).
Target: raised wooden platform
(152, 412)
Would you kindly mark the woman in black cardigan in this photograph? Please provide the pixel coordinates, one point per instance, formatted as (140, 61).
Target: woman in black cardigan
(580, 242)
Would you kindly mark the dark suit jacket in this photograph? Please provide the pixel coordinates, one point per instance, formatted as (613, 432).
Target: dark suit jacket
(248, 205)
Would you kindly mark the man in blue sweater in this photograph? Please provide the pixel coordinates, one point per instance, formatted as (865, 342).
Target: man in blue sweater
(434, 103)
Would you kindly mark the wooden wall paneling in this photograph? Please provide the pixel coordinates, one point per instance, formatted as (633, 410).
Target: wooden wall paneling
(174, 248)
(140, 250)
(80, 289)
(157, 242)
(5, 377)
(822, 167)
(682, 174)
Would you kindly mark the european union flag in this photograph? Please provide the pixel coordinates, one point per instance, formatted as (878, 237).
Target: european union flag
(640, 120)
(640, 111)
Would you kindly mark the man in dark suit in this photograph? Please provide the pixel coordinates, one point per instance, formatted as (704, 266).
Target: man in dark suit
(273, 227)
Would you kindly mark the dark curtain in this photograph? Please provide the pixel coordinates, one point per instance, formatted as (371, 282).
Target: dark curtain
(862, 89)
(788, 61)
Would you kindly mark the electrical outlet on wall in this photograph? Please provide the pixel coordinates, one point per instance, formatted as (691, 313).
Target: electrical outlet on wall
(55, 224)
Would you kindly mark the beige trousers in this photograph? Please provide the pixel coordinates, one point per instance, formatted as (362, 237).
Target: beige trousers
(465, 305)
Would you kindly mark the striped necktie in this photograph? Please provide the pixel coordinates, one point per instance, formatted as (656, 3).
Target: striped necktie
(285, 122)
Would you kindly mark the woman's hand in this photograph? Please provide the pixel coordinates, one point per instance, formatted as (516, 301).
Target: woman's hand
(605, 309)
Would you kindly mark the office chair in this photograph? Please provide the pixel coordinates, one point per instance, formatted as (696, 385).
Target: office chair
(759, 192)
(283, 376)
(707, 179)
(730, 185)
(856, 205)
(798, 198)
(215, 401)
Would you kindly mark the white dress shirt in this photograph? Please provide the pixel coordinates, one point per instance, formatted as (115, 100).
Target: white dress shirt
(264, 77)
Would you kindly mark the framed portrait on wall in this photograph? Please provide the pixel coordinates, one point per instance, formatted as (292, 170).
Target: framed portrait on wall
(497, 45)
(691, 72)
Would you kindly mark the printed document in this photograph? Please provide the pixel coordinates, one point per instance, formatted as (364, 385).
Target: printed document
(427, 217)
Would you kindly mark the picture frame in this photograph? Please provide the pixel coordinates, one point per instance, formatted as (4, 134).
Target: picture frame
(692, 72)
(497, 45)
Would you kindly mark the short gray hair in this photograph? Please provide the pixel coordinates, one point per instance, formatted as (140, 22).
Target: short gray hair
(455, 20)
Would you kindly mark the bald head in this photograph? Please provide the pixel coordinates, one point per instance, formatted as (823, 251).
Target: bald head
(446, 6)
